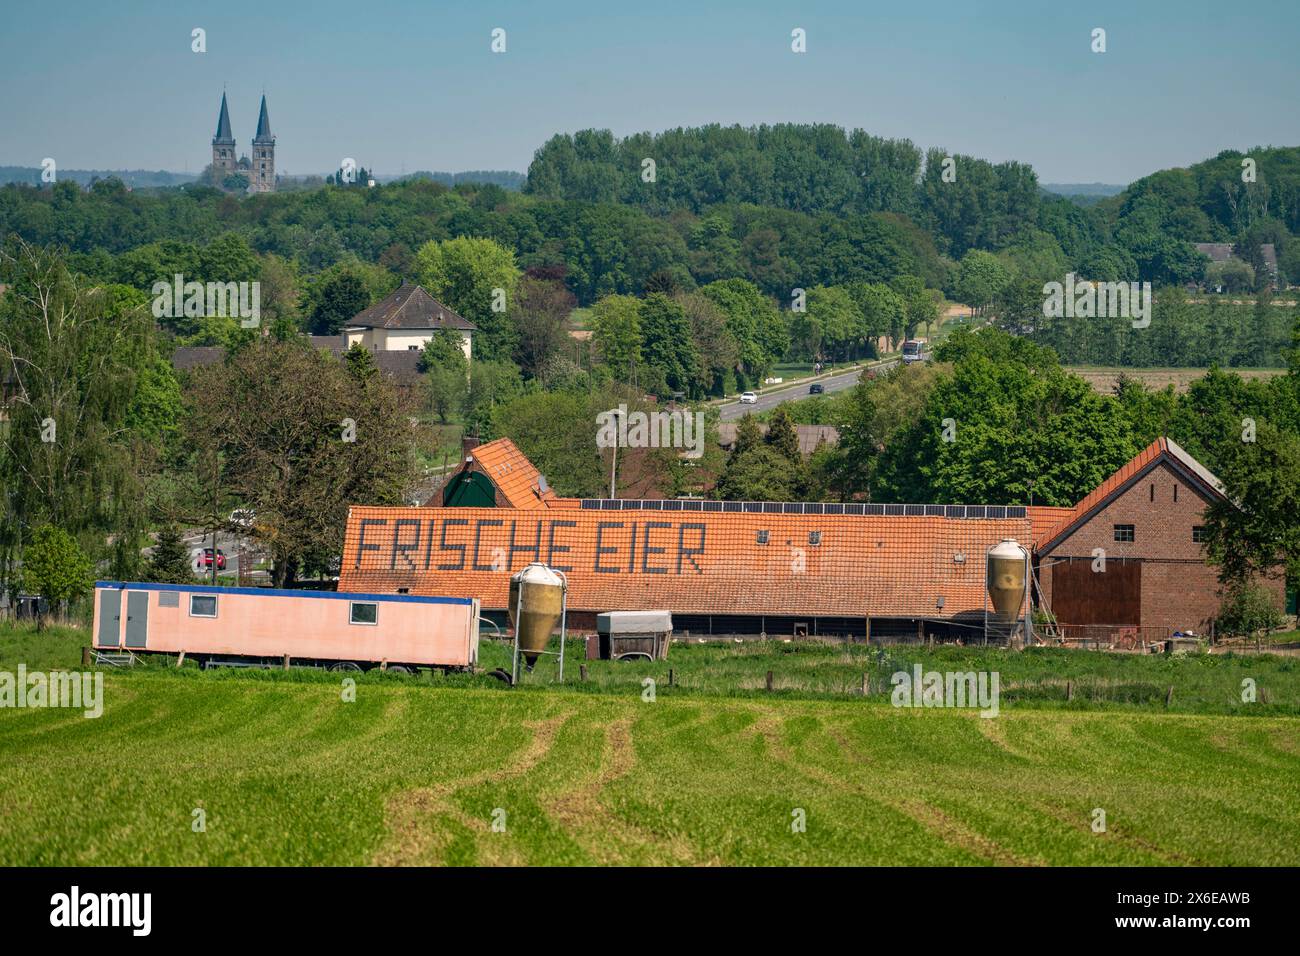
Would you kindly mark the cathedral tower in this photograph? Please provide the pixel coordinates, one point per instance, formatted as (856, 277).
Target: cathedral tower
(223, 145)
(262, 172)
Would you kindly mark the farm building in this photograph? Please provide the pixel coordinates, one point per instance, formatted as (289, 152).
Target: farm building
(1147, 520)
(793, 568)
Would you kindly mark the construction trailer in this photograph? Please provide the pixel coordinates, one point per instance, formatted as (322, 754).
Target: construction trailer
(264, 626)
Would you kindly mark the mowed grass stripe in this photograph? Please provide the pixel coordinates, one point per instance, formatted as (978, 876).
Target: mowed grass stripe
(290, 773)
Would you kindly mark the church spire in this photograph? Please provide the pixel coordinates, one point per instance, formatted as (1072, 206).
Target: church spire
(224, 137)
(263, 136)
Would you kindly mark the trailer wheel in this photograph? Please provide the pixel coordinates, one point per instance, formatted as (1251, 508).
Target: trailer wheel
(502, 675)
(398, 669)
(345, 666)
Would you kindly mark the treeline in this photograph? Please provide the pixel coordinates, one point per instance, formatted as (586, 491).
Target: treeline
(1182, 334)
(809, 168)
(996, 418)
(601, 249)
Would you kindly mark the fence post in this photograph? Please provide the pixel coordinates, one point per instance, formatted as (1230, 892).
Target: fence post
(286, 661)
(1069, 690)
(85, 656)
(1169, 697)
(582, 673)
(769, 680)
(671, 677)
(866, 684)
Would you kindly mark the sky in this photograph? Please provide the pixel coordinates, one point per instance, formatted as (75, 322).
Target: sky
(401, 86)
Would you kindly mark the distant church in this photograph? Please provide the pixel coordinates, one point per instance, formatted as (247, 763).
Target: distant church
(260, 170)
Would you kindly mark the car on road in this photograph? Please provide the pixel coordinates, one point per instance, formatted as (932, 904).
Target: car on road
(748, 398)
(816, 388)
(206, 559)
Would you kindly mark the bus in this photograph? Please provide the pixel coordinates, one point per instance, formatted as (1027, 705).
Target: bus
(914, 351)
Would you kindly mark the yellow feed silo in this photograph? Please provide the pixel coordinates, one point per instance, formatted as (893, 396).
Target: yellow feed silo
(536, 607)
(1007, 578)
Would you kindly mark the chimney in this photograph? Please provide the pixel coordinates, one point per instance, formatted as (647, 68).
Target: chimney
(467, 445)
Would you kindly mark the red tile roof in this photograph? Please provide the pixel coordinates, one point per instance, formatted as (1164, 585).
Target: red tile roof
(1162, 449)
(515, 477)
(688, 562)
(1043, 518)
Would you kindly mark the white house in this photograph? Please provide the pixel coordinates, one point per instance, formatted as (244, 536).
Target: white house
(404, 321)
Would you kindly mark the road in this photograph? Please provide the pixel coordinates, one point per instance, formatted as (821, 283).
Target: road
(771, 398)
(226, 542)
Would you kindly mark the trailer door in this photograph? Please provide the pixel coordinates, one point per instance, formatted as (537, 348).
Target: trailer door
(137, 618)
(110, 617)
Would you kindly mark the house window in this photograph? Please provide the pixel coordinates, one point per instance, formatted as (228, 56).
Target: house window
(1124, 532)
(1153, 491)
(1175, 494)
(363, 613)
(203, 605)
(762, 537)
(1198, 533)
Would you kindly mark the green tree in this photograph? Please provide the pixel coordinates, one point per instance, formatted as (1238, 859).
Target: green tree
(170, 562)
(981, 279)
(1248, 610)
(339, 299)
(445, 349)
(668, 348)
(782, 434)
(748, 434)
(761, 473)
(616, 329)
(477, 278)
(304, 441)
(1256, 530)
(71, 454)
(56, 568)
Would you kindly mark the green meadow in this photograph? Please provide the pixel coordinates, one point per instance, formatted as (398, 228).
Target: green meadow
(273, 767)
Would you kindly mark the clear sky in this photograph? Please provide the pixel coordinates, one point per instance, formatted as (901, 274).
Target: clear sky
(402, 85)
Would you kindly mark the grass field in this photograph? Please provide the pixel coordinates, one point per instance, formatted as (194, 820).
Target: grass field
(1102, 378)
(714, 771)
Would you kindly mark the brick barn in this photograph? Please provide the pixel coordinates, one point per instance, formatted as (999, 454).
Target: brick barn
(877, 571)
(1147, 521)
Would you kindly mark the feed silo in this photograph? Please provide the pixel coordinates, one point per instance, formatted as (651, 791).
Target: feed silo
(537, 606)
(1007, 578)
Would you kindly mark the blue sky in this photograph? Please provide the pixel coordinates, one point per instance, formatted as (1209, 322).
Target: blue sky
(414, 85)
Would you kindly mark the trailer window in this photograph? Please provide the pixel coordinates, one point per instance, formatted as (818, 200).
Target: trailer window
(364, 613)
(203, 605)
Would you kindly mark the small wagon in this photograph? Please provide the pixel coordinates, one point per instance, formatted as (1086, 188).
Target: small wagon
(626, 635)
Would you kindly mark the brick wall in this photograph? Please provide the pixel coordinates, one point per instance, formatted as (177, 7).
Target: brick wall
(1179, 590)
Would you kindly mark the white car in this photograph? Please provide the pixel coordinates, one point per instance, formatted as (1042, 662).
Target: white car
(748, 398)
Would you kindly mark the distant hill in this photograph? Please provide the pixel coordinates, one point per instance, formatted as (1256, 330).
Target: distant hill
(1099, 190)
(141, 178)
(505, 178)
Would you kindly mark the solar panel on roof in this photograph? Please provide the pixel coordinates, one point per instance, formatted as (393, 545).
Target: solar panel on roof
(991, 512)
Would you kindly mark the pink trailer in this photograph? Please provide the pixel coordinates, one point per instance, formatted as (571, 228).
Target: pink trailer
(259, 625)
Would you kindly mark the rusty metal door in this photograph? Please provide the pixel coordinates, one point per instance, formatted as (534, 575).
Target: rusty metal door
(1081, 595)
